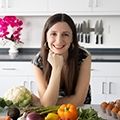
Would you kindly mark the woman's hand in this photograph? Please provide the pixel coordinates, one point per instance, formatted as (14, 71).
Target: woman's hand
(55, 60)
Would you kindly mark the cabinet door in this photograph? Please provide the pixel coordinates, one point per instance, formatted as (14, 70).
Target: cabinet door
(105, 89)
(98, 90)
(15, 68)
(98, 83)
(7, 82)
(14, 74)
(69, 5)
(113, 88)
(26, 6)
(107, 5)
(105, 81)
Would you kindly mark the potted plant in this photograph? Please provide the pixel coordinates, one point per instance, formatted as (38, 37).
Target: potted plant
(10, 31)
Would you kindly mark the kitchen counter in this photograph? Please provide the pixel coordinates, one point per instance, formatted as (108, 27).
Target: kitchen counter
(27, 54)
(106, 58)
(100, 112)
(23, 55)
(105, 54)
(96, 107)
(18, 57)
(29, 57)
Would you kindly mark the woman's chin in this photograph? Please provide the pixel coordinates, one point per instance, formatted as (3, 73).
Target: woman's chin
(58, 52)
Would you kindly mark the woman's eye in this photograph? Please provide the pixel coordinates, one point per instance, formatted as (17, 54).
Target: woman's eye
(65, 34)
(53, 34)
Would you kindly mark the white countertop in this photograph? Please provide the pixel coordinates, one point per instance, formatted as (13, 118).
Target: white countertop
(95, 107)
(100, 112)
(105, 57)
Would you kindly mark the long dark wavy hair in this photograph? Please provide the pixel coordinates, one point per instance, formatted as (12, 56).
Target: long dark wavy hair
(71, 75)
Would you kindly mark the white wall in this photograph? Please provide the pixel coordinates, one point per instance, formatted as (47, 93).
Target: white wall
(33, 25)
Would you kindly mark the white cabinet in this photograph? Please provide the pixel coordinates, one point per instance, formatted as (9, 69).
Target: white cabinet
(86, 7)
(107, 6)
(113, 88)
(48, 7)
(69, 5)
(23, 7)
(105, 81)
(16, 74)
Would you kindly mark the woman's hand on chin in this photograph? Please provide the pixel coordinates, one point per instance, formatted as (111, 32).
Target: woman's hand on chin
(55, 60)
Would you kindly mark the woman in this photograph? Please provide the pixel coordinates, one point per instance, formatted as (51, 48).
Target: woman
(62, 68)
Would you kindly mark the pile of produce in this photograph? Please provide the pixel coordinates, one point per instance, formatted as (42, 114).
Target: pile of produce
(18, 102)
(62, 112)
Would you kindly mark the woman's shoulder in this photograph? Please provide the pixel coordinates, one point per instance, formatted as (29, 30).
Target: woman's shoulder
(83, 53)
(84, 50)
(37, 60)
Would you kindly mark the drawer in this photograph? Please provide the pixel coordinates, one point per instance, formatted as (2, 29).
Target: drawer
(16, 68)
(105, 69)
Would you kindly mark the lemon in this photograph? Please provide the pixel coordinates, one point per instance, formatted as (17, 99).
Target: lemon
(52, 116)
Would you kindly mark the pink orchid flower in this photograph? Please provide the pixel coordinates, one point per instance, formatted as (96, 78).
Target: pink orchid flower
(10, 28)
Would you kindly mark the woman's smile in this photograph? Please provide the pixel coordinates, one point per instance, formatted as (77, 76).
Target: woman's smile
(58, 46)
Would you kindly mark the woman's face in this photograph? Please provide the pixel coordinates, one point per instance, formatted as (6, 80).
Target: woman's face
(59, 38)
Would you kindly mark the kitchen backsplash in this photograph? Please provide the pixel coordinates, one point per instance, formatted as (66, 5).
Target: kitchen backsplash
(33, 26)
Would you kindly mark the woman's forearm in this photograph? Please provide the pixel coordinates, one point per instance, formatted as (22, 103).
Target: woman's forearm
(51, 93)
(70, 99)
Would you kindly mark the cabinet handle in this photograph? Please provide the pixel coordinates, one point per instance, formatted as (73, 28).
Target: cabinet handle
(94, 69)
(7, 4)
(31, 86)
(103, 87)
(8, 68)
(97, 3)
(25, 83)
(110, 87)
(90, 4)
(2, 4)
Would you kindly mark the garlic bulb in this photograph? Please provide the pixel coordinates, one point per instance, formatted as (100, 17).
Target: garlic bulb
(23, 117)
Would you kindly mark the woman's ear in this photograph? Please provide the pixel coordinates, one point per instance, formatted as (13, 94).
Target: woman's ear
(46, 45)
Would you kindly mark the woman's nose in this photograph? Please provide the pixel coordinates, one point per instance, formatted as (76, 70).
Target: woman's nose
(59, 38)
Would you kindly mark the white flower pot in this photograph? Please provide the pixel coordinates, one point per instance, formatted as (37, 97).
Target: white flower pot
(13, 48)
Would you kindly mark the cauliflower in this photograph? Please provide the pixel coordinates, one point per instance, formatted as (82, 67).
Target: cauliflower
(19, 95)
